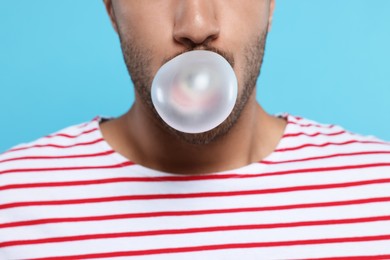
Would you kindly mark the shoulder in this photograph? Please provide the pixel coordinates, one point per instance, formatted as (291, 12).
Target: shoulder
(307, 139)
(73, 141)
(302, 127)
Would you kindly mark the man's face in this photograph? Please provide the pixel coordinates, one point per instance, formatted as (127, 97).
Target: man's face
(154, 31)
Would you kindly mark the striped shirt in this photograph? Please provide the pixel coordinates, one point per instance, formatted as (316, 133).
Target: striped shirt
(324, 193)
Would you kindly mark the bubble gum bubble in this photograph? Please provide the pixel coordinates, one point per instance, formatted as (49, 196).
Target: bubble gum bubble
(195, 91)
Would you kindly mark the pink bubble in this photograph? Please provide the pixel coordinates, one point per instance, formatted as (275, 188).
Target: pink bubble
(195, 91)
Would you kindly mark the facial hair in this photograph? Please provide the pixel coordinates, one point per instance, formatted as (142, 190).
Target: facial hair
(138, 63)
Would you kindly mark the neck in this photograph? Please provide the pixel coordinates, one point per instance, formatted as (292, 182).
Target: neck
(134, 135)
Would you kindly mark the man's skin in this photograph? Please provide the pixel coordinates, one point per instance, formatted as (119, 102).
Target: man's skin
(154, 31)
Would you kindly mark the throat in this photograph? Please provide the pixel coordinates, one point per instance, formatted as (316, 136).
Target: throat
(151, 145)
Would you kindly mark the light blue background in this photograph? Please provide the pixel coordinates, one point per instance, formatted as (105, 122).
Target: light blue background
(61, 64)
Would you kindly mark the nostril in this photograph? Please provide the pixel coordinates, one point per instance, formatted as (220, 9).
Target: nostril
(191, 44)
(187, 43)
(196, 23)
(191, 37)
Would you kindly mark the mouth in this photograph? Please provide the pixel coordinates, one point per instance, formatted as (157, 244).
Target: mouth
(227, 55)
(195, 91)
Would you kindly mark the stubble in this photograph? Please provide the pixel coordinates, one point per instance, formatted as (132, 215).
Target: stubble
(138, 63)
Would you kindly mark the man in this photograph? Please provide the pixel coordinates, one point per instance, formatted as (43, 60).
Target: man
(254, 187)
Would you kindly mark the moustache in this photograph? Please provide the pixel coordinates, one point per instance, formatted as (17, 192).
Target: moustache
(227, 55)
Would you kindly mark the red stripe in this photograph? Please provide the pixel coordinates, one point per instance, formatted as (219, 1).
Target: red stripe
(326, 157)
(327, 144)
(362, 257)
(55, 145)
(192, 230)
(194, 195)
(195, 212)
(66, 183)
(223, 247)
(124, 164)
(58, 157)
(310, 125)
(314, 134)
(72, 136)
(95, 119)
(206, 176)
(149, 179)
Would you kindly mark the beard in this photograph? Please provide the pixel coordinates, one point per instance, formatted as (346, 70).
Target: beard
(138, 63)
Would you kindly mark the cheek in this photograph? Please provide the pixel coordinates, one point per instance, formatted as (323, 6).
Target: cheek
(245, 19)
(147, 22)
(243, 30)
(150, 38)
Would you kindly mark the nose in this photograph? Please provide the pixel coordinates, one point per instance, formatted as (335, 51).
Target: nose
(195, 23)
